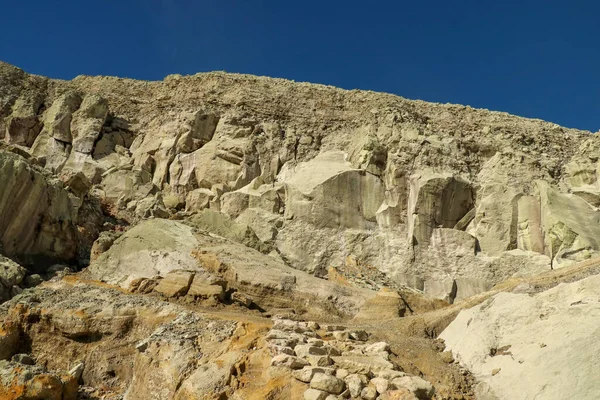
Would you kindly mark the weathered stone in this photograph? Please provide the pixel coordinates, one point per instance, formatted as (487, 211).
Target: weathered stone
(386, 305)
(57, 122)
(341, 335)
(436, 200)
(11, 273)
(36, 215)
(341, 373)
(378, 347)
(241, 299)
(23, 126)
(275, 350)
(506, 332)
(304, 350)
(389, 374)
(362, 364)
(570, 226)
(418, 386)
(87, 123)
(327, 383)
(398, 394)
(314, 394)
(306, 374)
(355, 384)
(441, 289)
(198, 199)
(319, 361)
(77, 370)
(368, 393)
(361, 336)
(175, 283)
(286, 360)
(382, 385)
(35, 383)
(327, 191)
(206, 286)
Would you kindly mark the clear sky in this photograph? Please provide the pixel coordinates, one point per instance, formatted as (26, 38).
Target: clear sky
(536, 59)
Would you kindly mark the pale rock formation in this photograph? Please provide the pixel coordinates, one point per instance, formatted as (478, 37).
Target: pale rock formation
(317, 175)
(12, 277)
(570, 225)
(520, 346)
(157, 247)
(37, 218)
(328, 193)
(436, 201)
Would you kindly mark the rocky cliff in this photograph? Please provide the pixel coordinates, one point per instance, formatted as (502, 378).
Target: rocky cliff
(235, 190)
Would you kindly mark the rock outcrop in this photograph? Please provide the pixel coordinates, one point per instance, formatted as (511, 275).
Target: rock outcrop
(38, 217)
(384, 180)
(528, 345)
(245, 237)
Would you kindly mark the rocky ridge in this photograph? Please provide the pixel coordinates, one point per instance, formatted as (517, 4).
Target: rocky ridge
(194, 209)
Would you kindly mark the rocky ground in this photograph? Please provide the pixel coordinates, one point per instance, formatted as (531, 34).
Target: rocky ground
(224, 236)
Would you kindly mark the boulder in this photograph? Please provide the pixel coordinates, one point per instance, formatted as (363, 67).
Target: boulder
(198, 199)
(369, 393)
(355, 384)
(288, 361)
(87, 122)
(264, 224)
(23, 125)
(207, 286)
(175, 283)
(422, 389)
(378, 347)
(222, 225)
(327, 383)
(37, 218)
(541, 343)
(57, 120)
(122, 185)
(387, 304)
(314, 394)
(267, 197)
(154, 247)
(398, 394)
(11, 276)
(381, 384)
(34, 382)
(362, 364)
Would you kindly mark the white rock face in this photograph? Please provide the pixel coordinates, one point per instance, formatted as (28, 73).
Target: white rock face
(543, 346)
(431, 196)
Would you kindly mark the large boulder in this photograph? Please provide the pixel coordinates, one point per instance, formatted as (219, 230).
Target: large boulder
(23, 125)
(37, 218)
(522, 346)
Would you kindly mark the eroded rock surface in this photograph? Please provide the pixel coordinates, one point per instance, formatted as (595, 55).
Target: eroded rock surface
(376, 184)
(204, 205)
(520, 346)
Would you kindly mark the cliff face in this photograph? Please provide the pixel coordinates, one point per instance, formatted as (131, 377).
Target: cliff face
(444, 198)
(174, 219)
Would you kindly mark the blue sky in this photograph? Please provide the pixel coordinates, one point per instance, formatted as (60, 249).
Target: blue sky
(537, 59)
